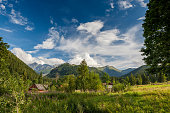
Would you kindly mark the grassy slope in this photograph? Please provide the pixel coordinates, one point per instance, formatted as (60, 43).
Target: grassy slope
(144, 98)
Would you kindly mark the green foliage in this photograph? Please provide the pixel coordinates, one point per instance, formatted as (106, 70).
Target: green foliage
(83, 75)
(126, 102)
(141, 70)
(145, 79)
(94, 82)
(139, 80)
(15, 79)
(161, 78)
(157, 32)
(106, 78)
(68, 69)
(118, 87)
(132, 80)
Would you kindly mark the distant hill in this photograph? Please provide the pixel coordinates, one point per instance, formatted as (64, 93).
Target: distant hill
(45, 68)
(67, 69)
(18, 67)
(112, 71)
(141, 70)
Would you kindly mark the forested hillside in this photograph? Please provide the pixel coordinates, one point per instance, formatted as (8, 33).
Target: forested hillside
(141, 70)
(16, 66)
(68, 69)
(112, 71)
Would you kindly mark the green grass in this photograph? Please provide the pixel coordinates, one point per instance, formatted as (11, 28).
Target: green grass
(141, 99)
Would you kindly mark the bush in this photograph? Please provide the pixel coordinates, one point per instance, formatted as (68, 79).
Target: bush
(118, 87)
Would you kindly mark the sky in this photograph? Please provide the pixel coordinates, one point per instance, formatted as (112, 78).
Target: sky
(103, 32)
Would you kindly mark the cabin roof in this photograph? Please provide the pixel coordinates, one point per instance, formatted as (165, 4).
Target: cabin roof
(40, 86)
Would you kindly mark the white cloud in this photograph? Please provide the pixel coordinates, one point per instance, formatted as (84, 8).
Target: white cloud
(91, 27)
(112, 5)
(106, 43)
(28, 28)
(142, 3)
(141, 18)
(125, 4)
(16, 18)
(79, 57)
(50, 42)
(35, 51)
(50, 61)
(106, 37)
(28, 59)
(7, 30)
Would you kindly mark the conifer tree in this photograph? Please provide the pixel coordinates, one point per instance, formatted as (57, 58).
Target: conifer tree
(157, 37)
(83, 75)
(132, 79)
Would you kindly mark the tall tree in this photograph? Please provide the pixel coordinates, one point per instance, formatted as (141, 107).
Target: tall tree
(139, 79)
(106, 78)
(94, 81)
(157, 37)
(161, 77)
(83, 75)
(132, 79)
(71, 83)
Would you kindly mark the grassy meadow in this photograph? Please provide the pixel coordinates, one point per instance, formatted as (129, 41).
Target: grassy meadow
(139, 99)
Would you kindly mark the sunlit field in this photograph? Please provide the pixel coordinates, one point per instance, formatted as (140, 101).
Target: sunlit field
(143, 98)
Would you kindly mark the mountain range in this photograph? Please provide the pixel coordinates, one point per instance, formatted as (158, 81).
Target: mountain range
(44, 68)
(67, 69)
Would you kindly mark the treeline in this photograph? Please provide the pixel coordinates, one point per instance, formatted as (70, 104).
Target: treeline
(87, 80)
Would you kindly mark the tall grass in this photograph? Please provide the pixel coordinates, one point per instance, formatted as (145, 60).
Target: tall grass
(156, 101)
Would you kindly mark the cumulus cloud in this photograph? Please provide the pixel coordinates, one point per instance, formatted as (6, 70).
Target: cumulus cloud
(50, 61)
(106, 37)
(79, 57)
(91, 27)
(124, 4)
(50, 42)
(28, 59)
(7, 30)
(109, 43)
(142, 3)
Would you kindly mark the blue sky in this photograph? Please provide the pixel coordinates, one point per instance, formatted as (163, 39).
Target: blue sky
(104, 32)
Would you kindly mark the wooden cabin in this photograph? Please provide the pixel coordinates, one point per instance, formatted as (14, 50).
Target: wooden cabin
(39, 88)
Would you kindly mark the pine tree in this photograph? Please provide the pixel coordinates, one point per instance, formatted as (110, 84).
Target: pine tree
(139, 79)
(132, 79)
(157, 37)
(83, 75)
(161, 78)
(145, 79)
(106, 78)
